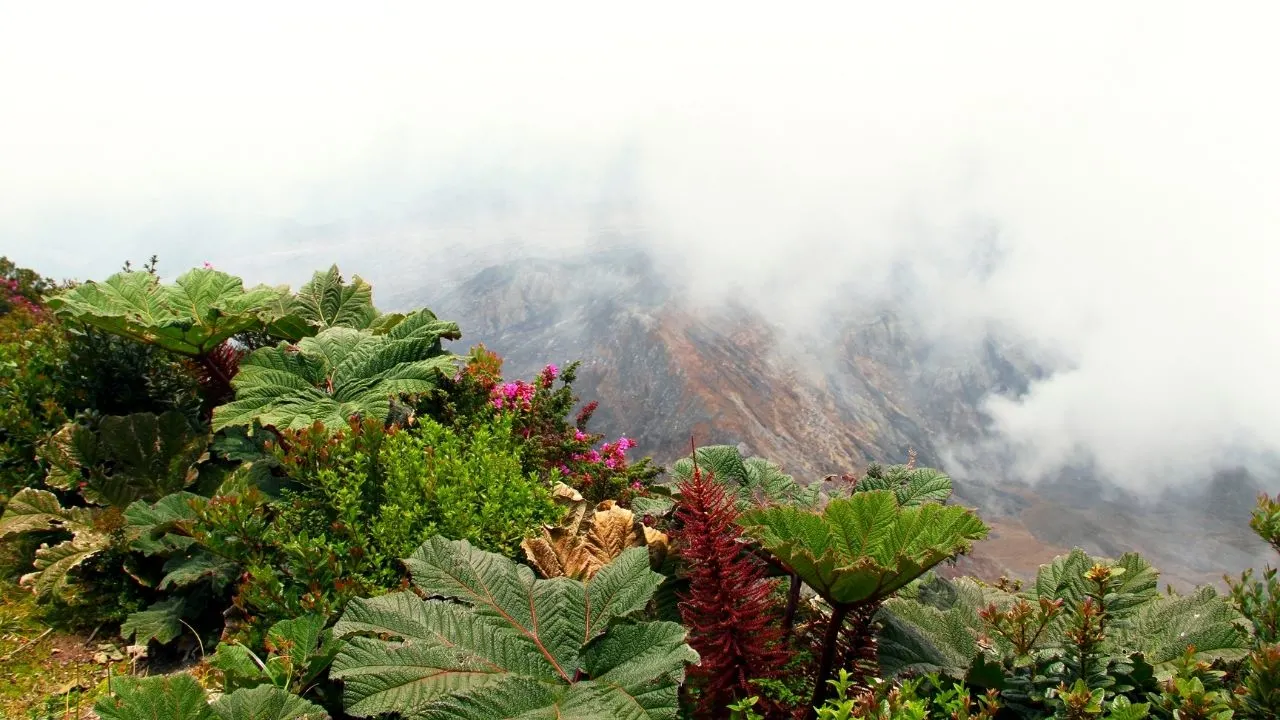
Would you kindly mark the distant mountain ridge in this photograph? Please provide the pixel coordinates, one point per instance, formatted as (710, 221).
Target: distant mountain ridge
(869, 390)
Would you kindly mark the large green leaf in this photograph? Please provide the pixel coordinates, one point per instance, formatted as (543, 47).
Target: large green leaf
(753, 481)
(198, 566)
(161, 622)
(911, 485)
(120, 459)
(917, 638)
(200, 310)
(923, 485)
(152, 526)
(1164, 627)
(1064, 579)
(266, 703)
(495, 641)
(326, 302)
(37, 510)
(865, 547)
(34, 510)
(339, 373)
(53, 565)
(172, 697)
(180, 697)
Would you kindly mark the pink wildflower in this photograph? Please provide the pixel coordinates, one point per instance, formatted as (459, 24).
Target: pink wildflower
(548, 375)
(579, 435)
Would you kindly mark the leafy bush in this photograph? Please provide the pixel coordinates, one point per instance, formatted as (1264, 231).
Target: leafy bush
(111, 375)
(1098, 621)
(21, 288)
(493, 641)
(114, 466)
(539, 411)
(357, 501)
(33, 394)
(299, 650)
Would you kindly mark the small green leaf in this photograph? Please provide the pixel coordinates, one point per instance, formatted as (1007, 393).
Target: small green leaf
(200, 566)
(240, 668)
(172, 697)
(161, 622)
(266, 703)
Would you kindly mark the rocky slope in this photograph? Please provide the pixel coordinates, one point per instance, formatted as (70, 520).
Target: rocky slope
(868, 389)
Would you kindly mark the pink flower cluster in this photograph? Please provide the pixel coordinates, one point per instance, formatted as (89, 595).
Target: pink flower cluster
(514, 395)
(519, 394)
(17, 299)
(613, 455)
(548, 375)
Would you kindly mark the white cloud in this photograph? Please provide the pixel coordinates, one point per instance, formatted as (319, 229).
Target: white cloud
(1126, 154)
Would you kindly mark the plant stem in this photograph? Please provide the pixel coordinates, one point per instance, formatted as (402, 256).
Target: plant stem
(793, 603)
(829, 644)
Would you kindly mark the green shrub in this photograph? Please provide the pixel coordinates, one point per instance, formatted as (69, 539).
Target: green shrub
(540, 412)
(32, 395)
(104, 470)
(356, 501)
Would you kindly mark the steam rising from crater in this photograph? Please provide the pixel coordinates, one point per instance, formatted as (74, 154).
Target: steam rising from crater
(1101, 184)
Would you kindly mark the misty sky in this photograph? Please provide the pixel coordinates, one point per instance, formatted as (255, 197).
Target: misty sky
(1099, 179)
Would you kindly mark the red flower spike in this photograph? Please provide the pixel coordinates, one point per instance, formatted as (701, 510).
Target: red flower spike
(728, 608)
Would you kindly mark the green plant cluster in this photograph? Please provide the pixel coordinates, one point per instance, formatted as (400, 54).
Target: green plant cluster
(320, 510)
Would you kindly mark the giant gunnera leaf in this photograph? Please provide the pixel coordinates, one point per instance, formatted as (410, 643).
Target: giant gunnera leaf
(194, 315)
(326, 302)
(120, 459)
(180, 697)
(911, 485)
(864, 547)
(34, 510)
(753, 481)
(339, 373)
(494, 641)
(585, 543)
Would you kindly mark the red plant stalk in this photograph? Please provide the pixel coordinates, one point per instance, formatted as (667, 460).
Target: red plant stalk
(728, 607)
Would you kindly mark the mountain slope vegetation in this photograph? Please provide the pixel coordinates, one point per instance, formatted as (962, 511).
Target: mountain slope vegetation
(306, 507)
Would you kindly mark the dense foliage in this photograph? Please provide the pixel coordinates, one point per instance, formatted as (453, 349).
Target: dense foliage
(320, 510)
